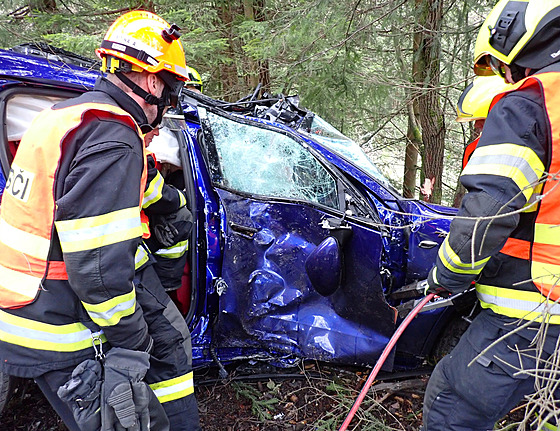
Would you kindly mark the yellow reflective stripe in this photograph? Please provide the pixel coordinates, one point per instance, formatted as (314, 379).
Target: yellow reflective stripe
(173, 389)
(519, 304)
(434, 275)
(453, 262)
(145, 228)
(175, 251)
(182, 199)
(44, 336)
(532, 202)
(545, 273)
(547, 233)
(19, 282)
(154, 191)
(25, 242)
(98, 231)
(517, 162)
(141, 257)
(531, 205)
(110, 312)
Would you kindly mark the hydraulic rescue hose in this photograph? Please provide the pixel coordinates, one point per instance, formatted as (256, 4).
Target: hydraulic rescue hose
(382, 359)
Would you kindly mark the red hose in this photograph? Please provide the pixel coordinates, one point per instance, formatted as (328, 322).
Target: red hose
(382, 359)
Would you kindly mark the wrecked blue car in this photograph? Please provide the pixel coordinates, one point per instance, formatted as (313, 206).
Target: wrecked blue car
(301, 248)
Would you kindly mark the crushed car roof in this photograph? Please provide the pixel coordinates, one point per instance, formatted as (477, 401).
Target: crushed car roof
(37, 66)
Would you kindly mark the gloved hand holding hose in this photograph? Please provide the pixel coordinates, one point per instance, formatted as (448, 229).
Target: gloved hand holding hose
(432, 286)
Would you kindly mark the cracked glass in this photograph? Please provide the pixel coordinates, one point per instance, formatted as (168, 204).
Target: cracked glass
(264, 162)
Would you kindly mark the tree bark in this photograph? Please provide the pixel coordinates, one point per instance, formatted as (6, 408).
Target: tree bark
(258, 71)
(229, 77)
(414, 142)
(427, 64)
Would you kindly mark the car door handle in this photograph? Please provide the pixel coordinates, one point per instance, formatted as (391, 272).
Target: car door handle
(244, 231)
(427, 244)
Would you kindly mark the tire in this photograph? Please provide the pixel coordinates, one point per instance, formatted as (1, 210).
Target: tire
(7, 385)
(449, 338)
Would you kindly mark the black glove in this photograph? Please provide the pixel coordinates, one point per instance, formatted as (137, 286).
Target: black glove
(169, 229)
(432, 286)
(127, 402)
(165, 233)
(82, 393)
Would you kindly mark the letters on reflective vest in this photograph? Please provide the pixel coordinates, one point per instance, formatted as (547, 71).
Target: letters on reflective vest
(19, 183)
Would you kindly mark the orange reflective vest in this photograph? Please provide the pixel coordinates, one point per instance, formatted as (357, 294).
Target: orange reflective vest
(543, 250)
(143, 216)
(28, 203)
(468, 151)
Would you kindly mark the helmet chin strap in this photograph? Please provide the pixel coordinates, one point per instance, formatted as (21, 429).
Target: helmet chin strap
(160, 102)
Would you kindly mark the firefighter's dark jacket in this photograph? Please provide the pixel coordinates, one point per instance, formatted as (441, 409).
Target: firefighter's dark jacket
(510, 181)
(160, 197)
(99, 175)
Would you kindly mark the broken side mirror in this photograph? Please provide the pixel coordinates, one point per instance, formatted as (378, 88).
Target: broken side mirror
(324, 266)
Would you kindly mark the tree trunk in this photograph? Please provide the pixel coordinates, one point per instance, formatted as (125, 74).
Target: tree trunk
(257, 70)
(414, 133)
(229, 78)
(427, 65)
(414, 142)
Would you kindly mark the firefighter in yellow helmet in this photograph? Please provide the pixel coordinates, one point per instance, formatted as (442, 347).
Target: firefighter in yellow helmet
(195, 80)
(474, 103)
(68, 247)
(506, 240)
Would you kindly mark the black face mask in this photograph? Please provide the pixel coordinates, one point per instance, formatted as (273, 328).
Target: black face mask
(517, 72)
(163, 102)
(169, 96)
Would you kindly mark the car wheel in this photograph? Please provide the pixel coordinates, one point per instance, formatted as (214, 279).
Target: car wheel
(449, 338)
(7, 385)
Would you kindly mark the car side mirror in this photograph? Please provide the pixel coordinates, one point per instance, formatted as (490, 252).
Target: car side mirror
(324, 266)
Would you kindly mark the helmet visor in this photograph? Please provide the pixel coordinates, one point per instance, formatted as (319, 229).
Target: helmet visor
(488, 65)
(497, 66)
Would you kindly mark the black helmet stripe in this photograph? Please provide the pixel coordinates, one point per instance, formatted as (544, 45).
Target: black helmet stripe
(130, 51)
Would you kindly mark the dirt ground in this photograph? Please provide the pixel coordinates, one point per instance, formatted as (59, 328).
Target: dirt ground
(311, 398)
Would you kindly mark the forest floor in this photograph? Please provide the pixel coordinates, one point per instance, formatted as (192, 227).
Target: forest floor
(315, 397)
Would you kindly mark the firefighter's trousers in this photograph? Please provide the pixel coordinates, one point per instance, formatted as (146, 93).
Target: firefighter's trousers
(460, 397)
(170, 375)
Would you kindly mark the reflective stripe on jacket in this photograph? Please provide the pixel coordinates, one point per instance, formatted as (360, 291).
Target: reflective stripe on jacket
(158, 198)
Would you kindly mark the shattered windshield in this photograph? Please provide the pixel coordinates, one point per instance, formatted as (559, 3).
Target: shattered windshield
(332, 139)
(264, 162)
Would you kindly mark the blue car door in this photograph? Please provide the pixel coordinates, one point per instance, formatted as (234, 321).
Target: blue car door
(289, 233)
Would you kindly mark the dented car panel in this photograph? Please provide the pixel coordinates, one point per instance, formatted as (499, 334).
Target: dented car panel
(269, 302)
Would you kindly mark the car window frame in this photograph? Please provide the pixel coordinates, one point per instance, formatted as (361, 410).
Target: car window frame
(5, 95)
